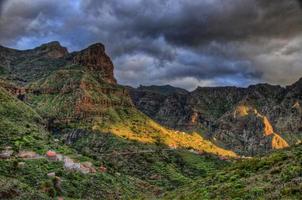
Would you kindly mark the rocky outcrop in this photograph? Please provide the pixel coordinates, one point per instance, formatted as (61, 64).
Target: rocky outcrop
(95, 59)
(51, 50)
(249, 121)
(29, 65)
(184, 110)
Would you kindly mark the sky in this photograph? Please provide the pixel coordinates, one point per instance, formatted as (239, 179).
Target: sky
(184, 43)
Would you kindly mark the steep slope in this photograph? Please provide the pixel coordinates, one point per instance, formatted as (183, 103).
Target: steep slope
(186, 110)
(276, 176)
(20, 126)
(81, 105)
(210, 111)
(83, 93)
(75, 98)
(25, 177)
(28, 65)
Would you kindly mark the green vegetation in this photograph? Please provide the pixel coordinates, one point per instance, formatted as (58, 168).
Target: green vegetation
(30, 181)
(19, 124)
(155, 164)
(134, 170)
(276, 176)
(73, 111)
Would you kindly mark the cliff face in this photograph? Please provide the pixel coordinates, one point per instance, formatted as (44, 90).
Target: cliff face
(30, 65)
(95, 59)
(248, 121)
(80, 86)
(186, 110)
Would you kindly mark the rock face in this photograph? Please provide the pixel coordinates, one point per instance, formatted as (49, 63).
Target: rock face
(94, 58)
(52, 50)
(186, 110)
(29, 65)
(249, 121)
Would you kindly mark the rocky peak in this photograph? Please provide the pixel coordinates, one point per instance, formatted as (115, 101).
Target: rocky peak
(52, 50)
(297, 86)
(94, 58)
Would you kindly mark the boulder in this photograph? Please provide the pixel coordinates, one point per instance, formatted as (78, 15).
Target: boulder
(51, 174)
(102, 169)
(6, 153)
(21, 164)
(69, 164)
(27, 154)
(87, 167)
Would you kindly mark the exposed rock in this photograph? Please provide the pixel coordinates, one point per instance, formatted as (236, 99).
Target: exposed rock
(52, 50)
(27, 154)
(227, 116)
(87, 167)
(21, 164)
(51, 174)
(69, 164)
(74, 135)
(102, 169)
(6, 153)
(94, 58)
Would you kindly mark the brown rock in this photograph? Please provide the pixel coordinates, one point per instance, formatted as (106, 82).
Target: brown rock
(94, 58)
(27, 154)
(7, 153)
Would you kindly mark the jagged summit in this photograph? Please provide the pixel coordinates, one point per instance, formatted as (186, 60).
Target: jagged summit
(94, 58)
(97, 46)
(52, 49)
(33, 64)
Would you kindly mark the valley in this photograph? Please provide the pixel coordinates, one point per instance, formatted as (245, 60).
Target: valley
(150, 142)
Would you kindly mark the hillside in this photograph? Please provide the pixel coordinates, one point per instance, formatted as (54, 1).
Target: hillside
(79, 111)
(117, 142)
(233, 118)
(275, 176)
(24, 169)
(20, 126)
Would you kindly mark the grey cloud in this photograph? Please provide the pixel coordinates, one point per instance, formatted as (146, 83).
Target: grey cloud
(189, 42)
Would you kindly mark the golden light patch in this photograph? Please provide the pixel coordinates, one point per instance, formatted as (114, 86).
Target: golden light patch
(151, 132)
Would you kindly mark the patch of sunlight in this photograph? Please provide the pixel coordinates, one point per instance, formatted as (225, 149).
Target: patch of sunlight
(151, 132)
(268, 128)
(297, 105)
(241, 111)
(278, 142)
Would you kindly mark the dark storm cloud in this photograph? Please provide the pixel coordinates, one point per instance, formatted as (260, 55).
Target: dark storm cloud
(194, 22)
(300, 2)
(182, 42)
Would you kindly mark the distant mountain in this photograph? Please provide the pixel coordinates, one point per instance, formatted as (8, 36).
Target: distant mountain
(234, 118)
(164, 89)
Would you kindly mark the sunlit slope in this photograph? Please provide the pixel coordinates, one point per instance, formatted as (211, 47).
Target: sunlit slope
(276, 176)
(248, 131)
(80, 99)
(134, 125)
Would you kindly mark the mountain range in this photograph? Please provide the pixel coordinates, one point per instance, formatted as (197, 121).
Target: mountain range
(145, 141)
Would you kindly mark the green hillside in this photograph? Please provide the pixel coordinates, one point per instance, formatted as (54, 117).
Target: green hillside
(275, 176)
(20, 126)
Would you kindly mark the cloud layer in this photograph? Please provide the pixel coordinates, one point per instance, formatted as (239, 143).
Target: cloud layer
(185, 43)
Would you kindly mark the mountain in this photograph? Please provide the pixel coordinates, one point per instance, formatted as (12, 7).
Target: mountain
(116, 142)
(248, 121)
(70, 103)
